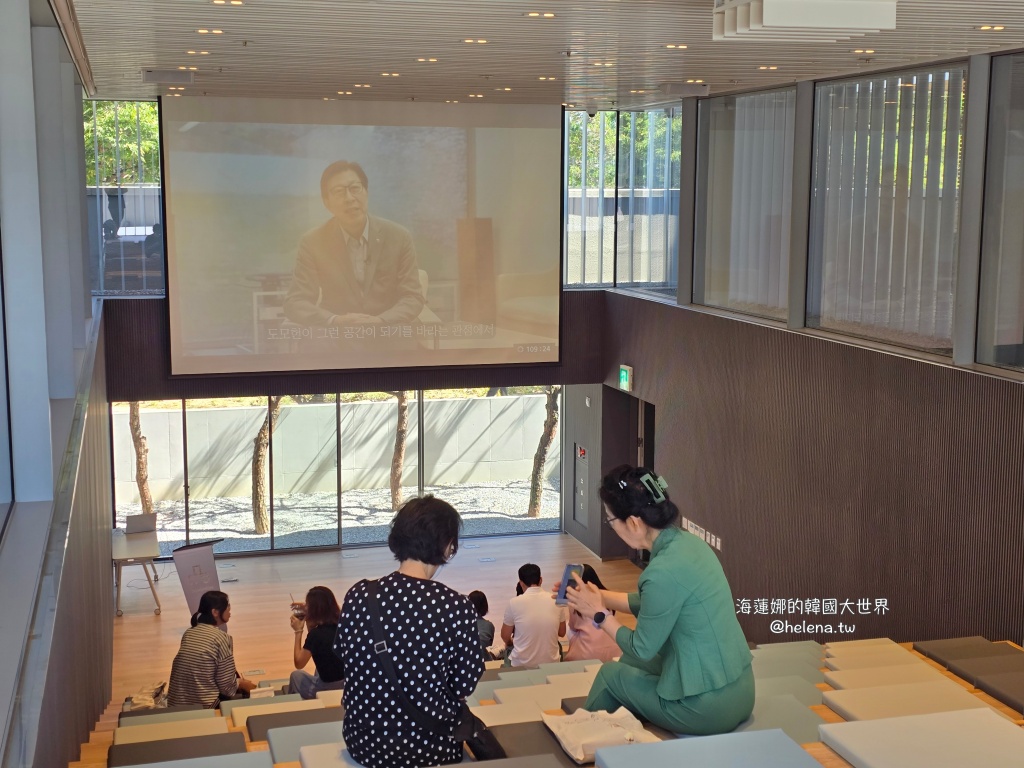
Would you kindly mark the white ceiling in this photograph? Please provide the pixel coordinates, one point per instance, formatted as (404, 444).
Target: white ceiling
(314, 48)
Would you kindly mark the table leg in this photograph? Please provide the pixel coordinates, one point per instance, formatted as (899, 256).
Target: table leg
(118, 578)
(156, 576)
(151, 587)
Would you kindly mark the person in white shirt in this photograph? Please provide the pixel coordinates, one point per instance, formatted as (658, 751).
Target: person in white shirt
(533, 623)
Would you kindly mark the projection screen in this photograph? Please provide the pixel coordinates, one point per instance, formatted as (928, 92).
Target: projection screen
(306, 235)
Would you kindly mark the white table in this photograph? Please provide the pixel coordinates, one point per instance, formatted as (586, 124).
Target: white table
(135, 549)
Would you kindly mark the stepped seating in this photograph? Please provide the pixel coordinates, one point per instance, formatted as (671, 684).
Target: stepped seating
(876, 704)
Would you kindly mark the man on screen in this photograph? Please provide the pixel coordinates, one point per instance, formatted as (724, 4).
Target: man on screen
(356, 269)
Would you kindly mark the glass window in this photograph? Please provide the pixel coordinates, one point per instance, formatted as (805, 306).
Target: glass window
(647, 205)
(1001, 302)
(123, 197)
(149, 467)
(745, 184)
(305, 456)
(228, 466)
(379, 445)
(494, 455)
(885, 206)
(589, 198)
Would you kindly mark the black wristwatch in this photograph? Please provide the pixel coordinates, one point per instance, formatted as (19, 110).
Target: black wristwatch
(599, 618)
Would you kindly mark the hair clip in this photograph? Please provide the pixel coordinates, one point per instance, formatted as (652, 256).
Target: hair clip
(655, 485)
(623, 484)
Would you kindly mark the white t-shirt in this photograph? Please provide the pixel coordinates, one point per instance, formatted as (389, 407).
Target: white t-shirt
(535, 618)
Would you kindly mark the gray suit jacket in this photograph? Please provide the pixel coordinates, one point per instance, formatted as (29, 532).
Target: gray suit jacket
(324, 283)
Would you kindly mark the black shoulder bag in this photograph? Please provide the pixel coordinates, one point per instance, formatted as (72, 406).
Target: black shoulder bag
(467, 727)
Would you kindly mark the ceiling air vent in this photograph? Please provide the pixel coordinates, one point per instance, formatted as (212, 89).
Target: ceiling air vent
(801, 20)
(168, 76)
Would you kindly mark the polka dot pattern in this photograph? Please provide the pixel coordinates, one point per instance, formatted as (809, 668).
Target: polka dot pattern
(431, 632)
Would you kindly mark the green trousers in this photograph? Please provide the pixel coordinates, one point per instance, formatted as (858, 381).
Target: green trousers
(632, 684)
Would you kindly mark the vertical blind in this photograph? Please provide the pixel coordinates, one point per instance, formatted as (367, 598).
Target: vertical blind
(648, 200)
(745, 182)
(885, 206)
(590, 162)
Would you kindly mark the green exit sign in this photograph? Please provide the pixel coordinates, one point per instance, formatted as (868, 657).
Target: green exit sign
(626, 378)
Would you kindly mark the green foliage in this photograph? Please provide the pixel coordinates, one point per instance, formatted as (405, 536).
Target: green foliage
(122, 143)
(639, 149)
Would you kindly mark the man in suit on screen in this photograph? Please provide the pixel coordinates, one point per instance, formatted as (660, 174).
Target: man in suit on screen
(355, 269)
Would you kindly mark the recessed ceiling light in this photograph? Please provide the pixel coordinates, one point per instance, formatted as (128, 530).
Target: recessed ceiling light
(863, 50)
(175, 94)
(389, 74)
(639, 91)
(217, 31)
(991, 28)
(546, 78)
(549, 15)
(767, 67)
(237, 2)
(203, 31)
(191, 53)
(192, 69)
(204, 53)
(181, 67)
(219, 2)
(695, 81)
(672, 45)
(361, 85)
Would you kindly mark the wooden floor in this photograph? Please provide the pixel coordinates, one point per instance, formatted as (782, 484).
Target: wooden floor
(145, 644)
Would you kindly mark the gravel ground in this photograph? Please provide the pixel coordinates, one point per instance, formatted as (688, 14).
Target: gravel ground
(310, 519)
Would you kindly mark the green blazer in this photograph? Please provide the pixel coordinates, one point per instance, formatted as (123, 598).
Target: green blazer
(686, 619)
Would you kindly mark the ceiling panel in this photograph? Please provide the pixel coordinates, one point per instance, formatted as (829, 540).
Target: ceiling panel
(597, 51)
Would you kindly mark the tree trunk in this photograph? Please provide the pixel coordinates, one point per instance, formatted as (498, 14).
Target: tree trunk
(141, 457)
(539, 459)
(260, 517)
(398, 458)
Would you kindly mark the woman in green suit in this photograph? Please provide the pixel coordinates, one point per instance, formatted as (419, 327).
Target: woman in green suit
(686, 666)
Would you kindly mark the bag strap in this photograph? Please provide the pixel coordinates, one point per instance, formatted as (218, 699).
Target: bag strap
(380, 647)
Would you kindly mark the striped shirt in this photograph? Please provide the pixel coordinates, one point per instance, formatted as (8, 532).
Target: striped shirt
(204, 669)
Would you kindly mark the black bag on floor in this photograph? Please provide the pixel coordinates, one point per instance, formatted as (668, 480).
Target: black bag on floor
(468, 727)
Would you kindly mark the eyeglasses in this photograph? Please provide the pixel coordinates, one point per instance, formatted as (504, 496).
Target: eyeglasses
(355, 189)
(611, 521)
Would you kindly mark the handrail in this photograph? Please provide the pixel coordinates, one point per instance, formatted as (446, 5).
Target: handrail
(19, 747)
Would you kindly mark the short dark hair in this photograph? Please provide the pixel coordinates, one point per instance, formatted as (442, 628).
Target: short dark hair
(630, 491)
(321, 607)
(529, 574)
(338, 167)
(423, 529)
(210, 601)
(479, 601)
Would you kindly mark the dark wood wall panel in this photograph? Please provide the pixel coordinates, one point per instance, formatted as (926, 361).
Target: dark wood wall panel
(832, 471)
(138, 360)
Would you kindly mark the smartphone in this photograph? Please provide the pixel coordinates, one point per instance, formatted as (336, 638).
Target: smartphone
(571, 576)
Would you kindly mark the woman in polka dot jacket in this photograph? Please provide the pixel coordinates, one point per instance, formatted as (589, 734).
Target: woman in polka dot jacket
(431, 634)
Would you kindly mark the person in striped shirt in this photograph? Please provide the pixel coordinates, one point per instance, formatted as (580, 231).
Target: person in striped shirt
(204, 671)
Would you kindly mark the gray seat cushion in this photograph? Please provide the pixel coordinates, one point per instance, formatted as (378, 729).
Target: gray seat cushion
(121, 755)
(761, 749)
(970, 669)
(122, 716)
(258, 725)
(1007, 687)
(979, 737)
(944, 651)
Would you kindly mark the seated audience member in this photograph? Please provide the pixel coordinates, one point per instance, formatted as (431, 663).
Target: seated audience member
(321, 620)
(687, 666)
(586, 639)
(204, 672)
(432, 642)
(533, 623)
(483, 627)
